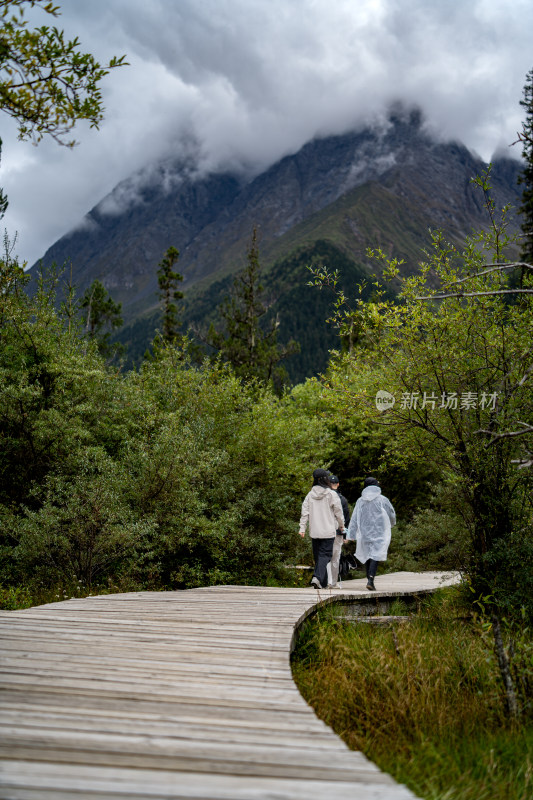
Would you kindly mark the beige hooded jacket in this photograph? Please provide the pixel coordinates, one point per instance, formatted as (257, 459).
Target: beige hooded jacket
(322, 509)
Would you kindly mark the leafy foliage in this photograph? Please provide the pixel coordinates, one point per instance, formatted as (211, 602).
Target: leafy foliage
(459, 372)
(171, 476)
(435, 535)
(359, 448)
(47, 84)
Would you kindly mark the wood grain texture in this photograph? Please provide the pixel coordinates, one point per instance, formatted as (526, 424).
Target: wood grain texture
(175, 695)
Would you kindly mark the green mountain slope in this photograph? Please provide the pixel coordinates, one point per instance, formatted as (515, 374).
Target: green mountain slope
(338, 236)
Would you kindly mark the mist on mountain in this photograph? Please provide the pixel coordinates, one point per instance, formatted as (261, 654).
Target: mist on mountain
(386, 185)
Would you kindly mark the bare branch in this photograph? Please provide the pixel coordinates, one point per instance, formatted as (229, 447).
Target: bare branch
(526, 374)
(489, 268)
(523, 463)
(496, 268)
(474, 294)
(495, 437)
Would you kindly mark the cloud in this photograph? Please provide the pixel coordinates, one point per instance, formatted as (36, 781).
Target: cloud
(245, 82)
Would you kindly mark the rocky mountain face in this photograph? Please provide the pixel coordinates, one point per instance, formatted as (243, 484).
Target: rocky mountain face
(336, 196)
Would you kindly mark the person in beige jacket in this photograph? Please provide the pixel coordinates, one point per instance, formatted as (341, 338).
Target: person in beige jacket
(322, 511)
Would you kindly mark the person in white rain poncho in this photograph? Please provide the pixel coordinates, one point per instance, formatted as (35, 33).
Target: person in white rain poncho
(370, 526)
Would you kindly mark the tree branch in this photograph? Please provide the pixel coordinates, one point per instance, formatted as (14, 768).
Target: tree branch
(495, 437)
(489, 268)
(474, 294)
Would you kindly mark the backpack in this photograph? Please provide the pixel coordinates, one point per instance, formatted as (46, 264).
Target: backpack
(346, 564)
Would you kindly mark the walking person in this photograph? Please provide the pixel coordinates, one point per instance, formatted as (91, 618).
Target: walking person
(333, 569)
(322, 511)
(370, 526)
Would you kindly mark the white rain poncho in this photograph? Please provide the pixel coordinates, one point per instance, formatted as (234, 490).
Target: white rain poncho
(370, 525)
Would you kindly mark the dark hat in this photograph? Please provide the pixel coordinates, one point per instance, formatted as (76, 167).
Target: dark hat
(370, 481)
(333, 479)
(321, 477)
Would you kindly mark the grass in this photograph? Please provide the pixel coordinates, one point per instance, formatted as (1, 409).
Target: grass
(423, 701)
(13, 598)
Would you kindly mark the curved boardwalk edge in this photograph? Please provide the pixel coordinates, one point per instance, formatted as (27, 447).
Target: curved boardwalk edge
(175, 695)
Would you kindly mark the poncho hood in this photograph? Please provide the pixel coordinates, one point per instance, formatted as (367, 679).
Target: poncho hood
(370, 493)
(370, 525)
(319, 492)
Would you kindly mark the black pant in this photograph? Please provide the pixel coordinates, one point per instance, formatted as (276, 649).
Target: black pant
(322, 552)
(371, 567)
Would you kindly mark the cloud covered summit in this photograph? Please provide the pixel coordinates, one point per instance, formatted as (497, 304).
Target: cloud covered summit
(249, 82)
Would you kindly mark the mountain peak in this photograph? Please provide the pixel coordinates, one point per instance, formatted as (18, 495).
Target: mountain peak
(209, 217)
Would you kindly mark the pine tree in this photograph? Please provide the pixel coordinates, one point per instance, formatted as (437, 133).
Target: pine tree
(168, 281)
(253, 351)
(526, 177)
(100, 311)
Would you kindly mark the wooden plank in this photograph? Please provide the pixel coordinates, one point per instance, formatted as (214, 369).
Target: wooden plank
(86, 782)
(228, 731)
(297, 721)
(181, 754)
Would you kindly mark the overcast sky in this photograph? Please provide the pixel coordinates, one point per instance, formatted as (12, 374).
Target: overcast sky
(252, 80)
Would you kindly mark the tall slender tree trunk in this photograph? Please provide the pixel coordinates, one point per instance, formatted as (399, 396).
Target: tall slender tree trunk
(505, 667)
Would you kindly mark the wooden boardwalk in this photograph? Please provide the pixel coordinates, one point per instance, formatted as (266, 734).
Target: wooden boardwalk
(174, 695)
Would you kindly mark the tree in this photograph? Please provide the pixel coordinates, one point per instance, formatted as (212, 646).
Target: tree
(96, 465)
(526, 177)
(463, 287)
(46, 83)
(100, 311)
(450, 378)
(252, 351)
(64, 513)
(168, 281)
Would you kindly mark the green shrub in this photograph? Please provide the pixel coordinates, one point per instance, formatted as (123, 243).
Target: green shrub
(174, 476)
(14, 597)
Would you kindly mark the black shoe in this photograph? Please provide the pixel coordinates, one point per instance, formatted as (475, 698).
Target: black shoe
(316, 583)
(370, 584)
